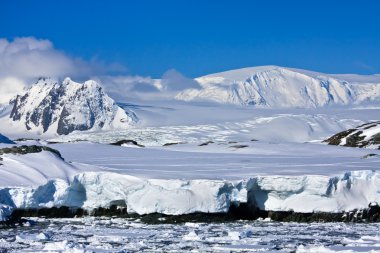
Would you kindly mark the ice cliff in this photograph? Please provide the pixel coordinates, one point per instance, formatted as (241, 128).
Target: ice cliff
(278, 193)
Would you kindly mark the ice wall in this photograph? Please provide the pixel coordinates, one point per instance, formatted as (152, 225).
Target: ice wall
(277, 193)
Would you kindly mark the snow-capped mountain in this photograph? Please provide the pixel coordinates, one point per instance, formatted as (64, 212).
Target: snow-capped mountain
(63, 107)
(272, 86)
(364, 136)
(4, 139)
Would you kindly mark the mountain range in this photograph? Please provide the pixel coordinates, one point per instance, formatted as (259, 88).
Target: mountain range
(54, 107)
(279, 87)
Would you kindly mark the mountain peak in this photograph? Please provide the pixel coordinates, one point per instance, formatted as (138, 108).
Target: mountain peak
(242, 73)
(50, 106)
(67, 81)
(45, 81)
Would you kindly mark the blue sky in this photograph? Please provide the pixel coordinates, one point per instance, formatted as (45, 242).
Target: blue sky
(200, 37)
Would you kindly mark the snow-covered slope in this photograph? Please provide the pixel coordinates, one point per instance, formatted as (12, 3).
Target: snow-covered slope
(364, 136)
(20, 167)
(275, 87)
(4, 139)
(366, 92)
(52, 107)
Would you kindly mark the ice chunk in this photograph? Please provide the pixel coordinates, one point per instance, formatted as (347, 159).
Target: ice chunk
(5, 212)
(191, 236)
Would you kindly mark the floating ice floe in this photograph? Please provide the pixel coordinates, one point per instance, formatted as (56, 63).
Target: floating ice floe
(5, 212)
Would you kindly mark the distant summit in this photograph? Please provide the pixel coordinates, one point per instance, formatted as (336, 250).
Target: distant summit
(64, 107)
(278, 87)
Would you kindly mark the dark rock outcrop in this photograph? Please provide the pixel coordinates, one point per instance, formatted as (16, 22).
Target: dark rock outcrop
(24, 149)
(359, 137)
(122, 142)
(240, 212)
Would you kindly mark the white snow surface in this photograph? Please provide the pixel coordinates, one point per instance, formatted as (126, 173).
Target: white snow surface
(279, 87)
(35, 169)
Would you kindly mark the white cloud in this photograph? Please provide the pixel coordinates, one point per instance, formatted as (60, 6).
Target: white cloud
(172, 80)
(30, 58)
(25, 59)
(9, 87)
(125, 87)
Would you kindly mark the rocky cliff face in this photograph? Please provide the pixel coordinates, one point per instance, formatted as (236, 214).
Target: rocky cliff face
(64, 107)
(364, 136)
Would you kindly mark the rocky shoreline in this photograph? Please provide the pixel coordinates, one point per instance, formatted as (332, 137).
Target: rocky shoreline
(235, 213)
